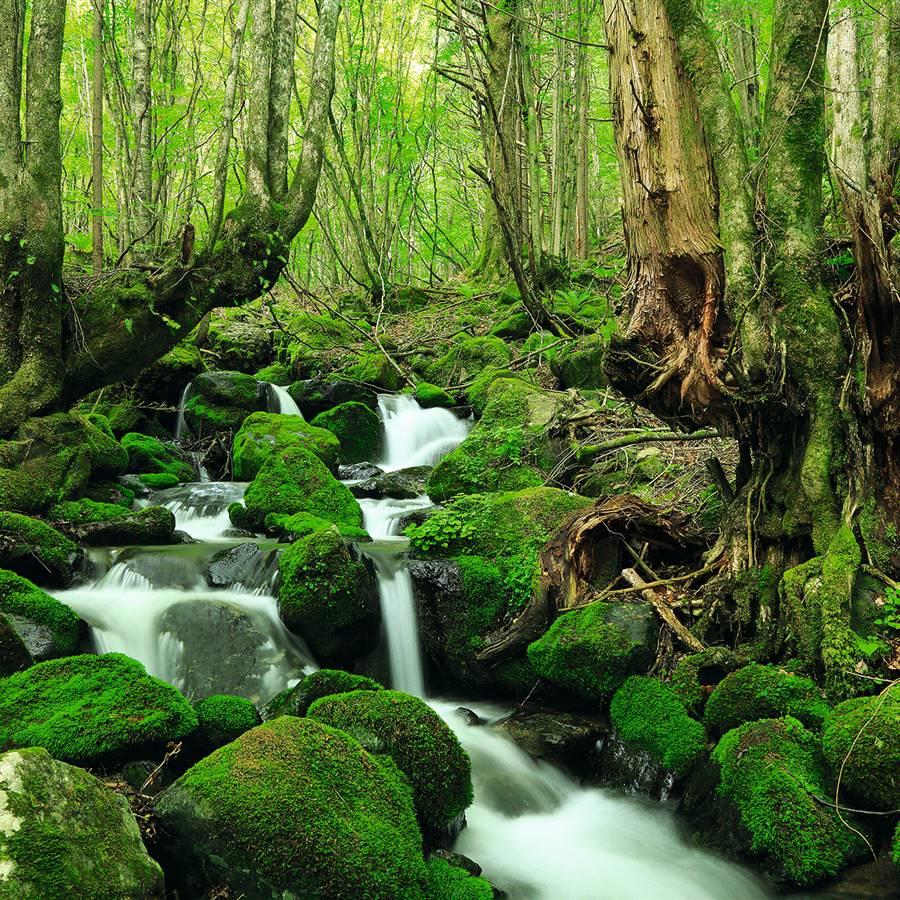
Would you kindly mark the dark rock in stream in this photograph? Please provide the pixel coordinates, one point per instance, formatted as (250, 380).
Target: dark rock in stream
(149, 526)
(469, 716)
(359, 471)
(564, 738)
(231, 565)
(318, 395)
(631, 771)
(404, 484)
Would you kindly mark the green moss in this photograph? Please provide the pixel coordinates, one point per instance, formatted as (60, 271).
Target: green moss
(87, 708)
(297, 808)
(72, 836)
(430, 395)
(508, 449)
(222, 718)
(862, 738)
(648, 714)
(292, 528)
(895, 848)
(36, 543)
(449, 882)
(220, 401)
(110, 492)
(151, 458)
(326, 597)
(296, 701)
(580, 364)
(358, 429)
(374, 369)
(770, 769)
(697, 671)
(275, 374)
(764, 692)
(263, 434)
(466, 358)
(108, 457)
(77, 512)
(19, 597)
(585, 653)
(422, 745)
(296, 481)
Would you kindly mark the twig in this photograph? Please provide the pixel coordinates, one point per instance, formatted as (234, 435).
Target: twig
(665, 611)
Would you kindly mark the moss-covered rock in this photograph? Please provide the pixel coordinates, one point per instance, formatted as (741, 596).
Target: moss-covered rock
(296, 701)
(265, 433)
(293, 481)
(46, 627)
(317, 395)
(449, 882)
(276, 374)
(328, 597)
(422, 745)
(86, 709)
(375, 370)
(357, 427)
(158, 465)
(292, 528)
(222, 718)
(648, 715)
(65, 834)
(696, 675)
(14, 655)
(862, 740)
(150, 526)
(763, 692)
(34, 549)
(239, 342)
(509, 448)
(295, 808)
(467, 357)
(429, 396)
(770, 770)
(586, 652)
(108, 457)
(166, 379)
(220, 401)
(580, 364)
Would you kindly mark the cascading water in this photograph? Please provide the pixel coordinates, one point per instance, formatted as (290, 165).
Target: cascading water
(280, 401)
(414, 436)
(180, 424)
(201, 509)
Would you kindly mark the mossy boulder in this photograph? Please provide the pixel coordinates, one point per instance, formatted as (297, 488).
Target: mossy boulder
(357, 427)
(328, 597)
(276, 374)
(862, 740)
(467, 357)
(429, 396)
(763, 692)
(770, 770)
(589, 653)
(647, 714)
(65, 834)
(294, 481)
(317, 395)
(45, 626)
(158, 465)
(222, 718)
(291, 528)
(696, 675)
(220, 401)
(149, 527)
(580, 364)
(108, 457)
(510, 447)
(34, 549)
(88, 709)
(263, 434)
(14, 655)
(418, 740)
(239, 343)
(294, 808)
(48, 460)
(296, 700)
(166, 379)
(452, 880)
(375, 370)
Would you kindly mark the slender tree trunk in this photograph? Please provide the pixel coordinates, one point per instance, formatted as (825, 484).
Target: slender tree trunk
(97, 140)
(142, 119)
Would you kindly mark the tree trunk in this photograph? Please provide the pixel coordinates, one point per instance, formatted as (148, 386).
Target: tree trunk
(97, 141)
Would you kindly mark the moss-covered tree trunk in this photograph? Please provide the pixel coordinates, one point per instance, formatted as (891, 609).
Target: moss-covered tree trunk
(732, 322)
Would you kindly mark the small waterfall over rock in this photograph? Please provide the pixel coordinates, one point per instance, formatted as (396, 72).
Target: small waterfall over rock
(180, 424)
(280, 401)
(201, 509)
(414, 436)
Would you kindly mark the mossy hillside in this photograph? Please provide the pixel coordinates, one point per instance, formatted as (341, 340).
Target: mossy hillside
(297, 808)
(861, 739)
(764, 692)
(327, 597)
(34, 548)
(21, 599)
(429, 396)
(149, 457)
(357, 427)
(296, 701)
(263, 434)
(220, 401)
(770, 770)
(695, 672)
(466, 358)
(70, 835)
(586, 654)
(293, 481)
(422, 745)
(508, 449)
(222, 718)
(86, 709)
(648, 714)
(449, 882)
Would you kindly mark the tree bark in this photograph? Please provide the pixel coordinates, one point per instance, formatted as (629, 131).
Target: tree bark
(97, 141)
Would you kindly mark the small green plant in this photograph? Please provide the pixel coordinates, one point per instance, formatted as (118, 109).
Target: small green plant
(440, 531)
(890, 616)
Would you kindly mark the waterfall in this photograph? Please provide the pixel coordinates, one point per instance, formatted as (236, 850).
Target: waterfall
(280, 401)
(414, 436)
(180, 425)
(201, 509)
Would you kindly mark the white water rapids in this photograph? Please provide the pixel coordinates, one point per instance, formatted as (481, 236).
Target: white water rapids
(535, 831)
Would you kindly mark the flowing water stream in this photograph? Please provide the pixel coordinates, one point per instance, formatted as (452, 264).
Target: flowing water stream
(537, 833)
